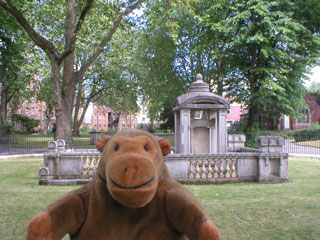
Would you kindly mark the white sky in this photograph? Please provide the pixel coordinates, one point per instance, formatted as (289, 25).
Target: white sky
(314, 76)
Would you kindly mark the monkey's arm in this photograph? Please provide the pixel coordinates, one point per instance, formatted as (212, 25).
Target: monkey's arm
(186, 215)
(66, 215)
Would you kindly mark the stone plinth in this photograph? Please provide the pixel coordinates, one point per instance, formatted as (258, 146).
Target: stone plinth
(236, 141)
(271, 143)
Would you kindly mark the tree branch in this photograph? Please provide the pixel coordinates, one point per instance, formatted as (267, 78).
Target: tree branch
(71, 46)
(40, 41)
(108, 36)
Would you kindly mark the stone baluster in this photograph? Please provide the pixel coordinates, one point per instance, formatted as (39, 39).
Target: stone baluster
(203, 169)
(85, 166)
(215, 171)
(191, 169)
(96, 163)
(233, 168)
(228, 174)
(91, 166)
(221, 168)
(209, 168)
(197, 169)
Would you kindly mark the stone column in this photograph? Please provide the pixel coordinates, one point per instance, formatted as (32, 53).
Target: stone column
(213, 133)
(184, 131)
(222, 131)
(177, 131)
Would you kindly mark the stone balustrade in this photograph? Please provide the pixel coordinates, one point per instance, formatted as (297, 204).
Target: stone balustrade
(90, 164)
(266, 164)
(208, 167)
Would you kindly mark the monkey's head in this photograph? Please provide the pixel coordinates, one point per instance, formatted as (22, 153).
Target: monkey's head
(131, 165)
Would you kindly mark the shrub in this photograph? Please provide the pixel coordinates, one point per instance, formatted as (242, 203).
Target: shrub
(28, 123)
(308, 134)
(236, 128)
(85, 129)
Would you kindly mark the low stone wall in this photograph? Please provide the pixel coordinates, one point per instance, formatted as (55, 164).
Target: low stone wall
(268, 164)
(229, 167)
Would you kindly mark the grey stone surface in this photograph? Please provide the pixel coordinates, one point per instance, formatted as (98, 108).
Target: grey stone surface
(178, 168)
(268, 164)
(200, 120)
(271, 143)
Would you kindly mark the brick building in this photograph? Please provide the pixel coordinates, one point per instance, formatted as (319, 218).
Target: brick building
(310, 114)
(234, 114)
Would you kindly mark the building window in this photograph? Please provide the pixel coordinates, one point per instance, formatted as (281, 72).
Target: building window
(304, 116)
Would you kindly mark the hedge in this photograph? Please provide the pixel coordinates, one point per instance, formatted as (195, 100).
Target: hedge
(307, 134)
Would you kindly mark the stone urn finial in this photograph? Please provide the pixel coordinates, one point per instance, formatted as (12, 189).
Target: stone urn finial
(199, 77)
(199, 85)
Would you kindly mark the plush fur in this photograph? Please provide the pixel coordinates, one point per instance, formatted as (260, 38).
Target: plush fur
(132, 197)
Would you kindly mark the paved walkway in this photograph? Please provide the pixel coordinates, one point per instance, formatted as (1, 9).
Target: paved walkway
(17, 151)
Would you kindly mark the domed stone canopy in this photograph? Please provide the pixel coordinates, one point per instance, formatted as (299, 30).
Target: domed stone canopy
(200, 97)
(200, 120)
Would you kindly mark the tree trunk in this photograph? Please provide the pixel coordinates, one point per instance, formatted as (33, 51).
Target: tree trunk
(63, 88)
(120, 116)
(64, 114)
(3, 119)
(76, 122)
(220, 78)
(45, 129)
(63, 107)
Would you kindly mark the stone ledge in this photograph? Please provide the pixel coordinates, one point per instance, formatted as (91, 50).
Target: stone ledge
(63, 182)
(272, 179)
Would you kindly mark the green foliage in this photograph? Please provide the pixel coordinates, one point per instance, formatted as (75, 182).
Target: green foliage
(256, 51)
(314, 88)
(236, 128)
(252, 134)
(9, 127)
(54, 127)
(85, 129)
(28, 123)
(307, 134)
(15, 73)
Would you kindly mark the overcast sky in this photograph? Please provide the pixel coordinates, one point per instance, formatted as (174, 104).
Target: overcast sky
(315, 77)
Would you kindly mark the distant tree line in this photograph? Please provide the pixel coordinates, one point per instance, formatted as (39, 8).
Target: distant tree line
(256, 52)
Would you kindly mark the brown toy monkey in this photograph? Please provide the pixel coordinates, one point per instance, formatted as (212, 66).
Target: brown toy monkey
(132, 197)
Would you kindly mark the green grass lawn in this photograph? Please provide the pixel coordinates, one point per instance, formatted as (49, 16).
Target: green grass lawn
(241, 211)
(315, 143)
(30, 141)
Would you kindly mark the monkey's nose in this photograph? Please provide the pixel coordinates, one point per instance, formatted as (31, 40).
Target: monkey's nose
(130, 172)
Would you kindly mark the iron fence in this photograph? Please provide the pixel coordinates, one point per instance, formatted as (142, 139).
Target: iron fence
(305, 141)
(29, 144)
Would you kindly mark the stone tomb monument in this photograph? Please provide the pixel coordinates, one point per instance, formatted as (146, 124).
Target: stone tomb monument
(204, 153)
(200, 120)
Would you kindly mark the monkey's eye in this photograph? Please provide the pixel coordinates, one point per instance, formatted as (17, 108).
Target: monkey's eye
(146, 148)
(116, 147)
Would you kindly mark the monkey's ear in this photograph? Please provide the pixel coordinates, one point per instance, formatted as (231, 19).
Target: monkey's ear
(101, 142)
(165, 146)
